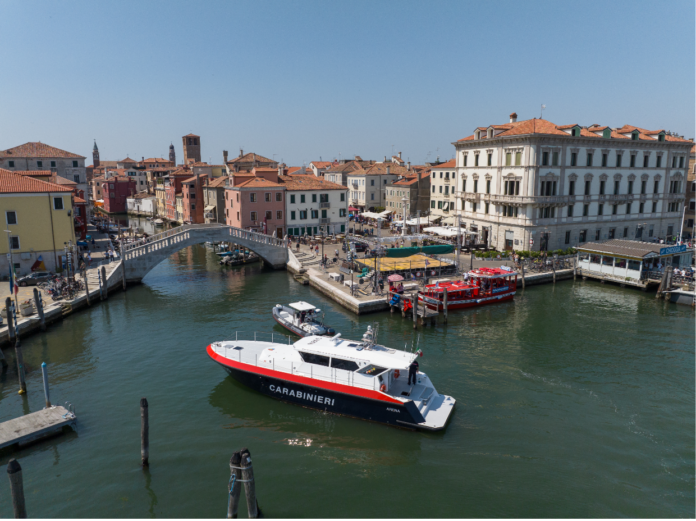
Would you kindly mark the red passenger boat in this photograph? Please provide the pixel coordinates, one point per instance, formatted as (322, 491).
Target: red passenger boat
(484, 286)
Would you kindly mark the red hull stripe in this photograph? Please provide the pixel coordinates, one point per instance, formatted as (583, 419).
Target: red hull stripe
(312, 382)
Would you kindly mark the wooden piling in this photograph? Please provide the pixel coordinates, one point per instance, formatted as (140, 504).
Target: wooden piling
(20, 366)
(44, 373)
(575, 268)
(123, 267)
(104, 284)
(14, 470)
(249, 485)
(553, 267)
(38, 301)
(101, 290)
(522, 276)
(144, 433)
(84, 277)
(10, 319)
(235, 486)
(415, 311)
(444, 306)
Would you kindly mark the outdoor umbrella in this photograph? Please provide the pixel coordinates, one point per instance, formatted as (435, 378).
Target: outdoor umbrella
(395, 278)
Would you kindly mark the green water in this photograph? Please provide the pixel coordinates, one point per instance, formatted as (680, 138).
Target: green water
(573, 401)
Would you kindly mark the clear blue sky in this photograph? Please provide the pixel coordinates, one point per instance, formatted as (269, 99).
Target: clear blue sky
(303, 79)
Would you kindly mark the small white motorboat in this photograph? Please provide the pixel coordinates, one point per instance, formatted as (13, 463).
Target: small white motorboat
(301, 318)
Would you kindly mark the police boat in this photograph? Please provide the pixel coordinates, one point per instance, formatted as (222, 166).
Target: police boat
(357, 378)
(301, 318)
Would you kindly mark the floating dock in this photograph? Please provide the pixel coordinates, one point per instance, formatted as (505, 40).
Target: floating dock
(36, 425)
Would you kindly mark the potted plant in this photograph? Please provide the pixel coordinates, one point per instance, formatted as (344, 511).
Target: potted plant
(26, 308)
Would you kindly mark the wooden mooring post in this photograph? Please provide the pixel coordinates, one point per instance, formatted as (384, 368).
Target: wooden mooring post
(123, 267)
(249, 484)
(84, 277)
(553, 267)
(10, 319)
(144, 433)
(104, 283)
(14, 471)
(575, 268)
(38, 301)
(20, 358)
(235, 485)
(44, 374)
(444, 306)
(415, 311)
(522, 276)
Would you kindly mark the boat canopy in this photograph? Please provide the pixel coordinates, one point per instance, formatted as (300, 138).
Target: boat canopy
(302, 306)
(492, 273)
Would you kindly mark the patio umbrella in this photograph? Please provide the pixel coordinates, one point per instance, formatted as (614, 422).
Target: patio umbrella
(395, 278)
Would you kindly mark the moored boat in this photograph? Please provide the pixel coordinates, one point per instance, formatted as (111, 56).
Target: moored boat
(483, 286)
(301, 318)
(361, 379)
(158, 222)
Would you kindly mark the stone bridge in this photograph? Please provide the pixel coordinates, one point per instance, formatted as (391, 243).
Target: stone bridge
(141, 256)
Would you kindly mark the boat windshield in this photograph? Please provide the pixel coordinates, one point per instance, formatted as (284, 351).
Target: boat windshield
(372, 370)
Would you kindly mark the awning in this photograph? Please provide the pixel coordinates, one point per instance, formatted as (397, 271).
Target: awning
(209, 208)
(431, 250)
(352, 209)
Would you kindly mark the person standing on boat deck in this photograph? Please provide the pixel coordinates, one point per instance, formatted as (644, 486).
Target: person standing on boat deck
(413, 372)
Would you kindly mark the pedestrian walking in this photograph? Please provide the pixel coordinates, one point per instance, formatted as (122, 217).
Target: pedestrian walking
(89, 259)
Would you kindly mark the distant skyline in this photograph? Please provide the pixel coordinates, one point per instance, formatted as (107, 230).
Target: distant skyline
(302, 80)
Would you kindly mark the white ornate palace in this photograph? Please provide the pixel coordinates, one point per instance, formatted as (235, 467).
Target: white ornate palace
(536, 185)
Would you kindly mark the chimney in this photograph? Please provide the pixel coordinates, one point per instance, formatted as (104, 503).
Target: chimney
(409, 165)
(385, 159)
(387, 170)
(143, 159)
(399, 155)
(224, 156)
(513, 117)
(241, 152)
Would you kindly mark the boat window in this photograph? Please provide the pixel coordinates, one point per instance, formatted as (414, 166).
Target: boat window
(311, 358)
(347, 365)
(372, 370)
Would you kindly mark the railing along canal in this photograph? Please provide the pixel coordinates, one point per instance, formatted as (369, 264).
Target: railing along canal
(160, 240)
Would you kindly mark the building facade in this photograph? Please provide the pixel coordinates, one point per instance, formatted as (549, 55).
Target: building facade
(443, 185)
(314, 205)
(193, 200)
(413, 192)
(367, 186)
(536, 185)
(39, 217)
(256, 203)
(214, 199)
(192, 149)
(690, 201)
(142, 204)
(116, 191)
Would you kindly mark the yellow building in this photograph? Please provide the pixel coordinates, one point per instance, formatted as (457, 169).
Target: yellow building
(180, 208)
(39, 217)
(161, 195)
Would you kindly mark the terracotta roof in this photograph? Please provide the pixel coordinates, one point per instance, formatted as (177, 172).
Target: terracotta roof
(13, 183)
(321, 164)
(37, 149)
(541, 126)
(249, 158)
(203, 177)
(155, 160)
(258, 182)
(381, 169)
(292, 169)
(141, 195)
(35, 173)
(191, 135)
(217, 182)
(412, 179)
(56, 179)
(309, 182)
(180, 172)
(344, 168)
(449, 164)
(79, 200)
(127, 160)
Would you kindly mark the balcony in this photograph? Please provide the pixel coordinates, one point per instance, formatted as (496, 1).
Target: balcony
(676, 197)
(536, 201)
(469, 196)
(446, 180)
(324, 220)
(619, 198)
(324, 205)
(586, 198)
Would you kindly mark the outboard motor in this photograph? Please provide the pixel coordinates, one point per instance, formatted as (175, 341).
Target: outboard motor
(330, 331)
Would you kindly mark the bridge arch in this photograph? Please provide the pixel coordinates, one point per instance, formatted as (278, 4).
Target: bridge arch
(142, 256)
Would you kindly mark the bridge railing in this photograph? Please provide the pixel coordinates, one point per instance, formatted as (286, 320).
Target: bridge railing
(233, 232)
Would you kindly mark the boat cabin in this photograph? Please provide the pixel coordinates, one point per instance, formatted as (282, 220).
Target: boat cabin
(480, 286)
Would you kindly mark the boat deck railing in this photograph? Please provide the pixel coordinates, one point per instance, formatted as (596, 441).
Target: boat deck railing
(328, 374)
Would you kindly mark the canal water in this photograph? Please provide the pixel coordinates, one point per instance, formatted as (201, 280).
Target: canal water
(573, 401)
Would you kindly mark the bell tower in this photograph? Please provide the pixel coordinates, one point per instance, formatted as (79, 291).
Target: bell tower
(95, 155)
(192, 149)
(172, 154)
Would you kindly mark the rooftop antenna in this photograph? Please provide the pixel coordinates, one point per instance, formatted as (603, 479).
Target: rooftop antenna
(541, 116)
